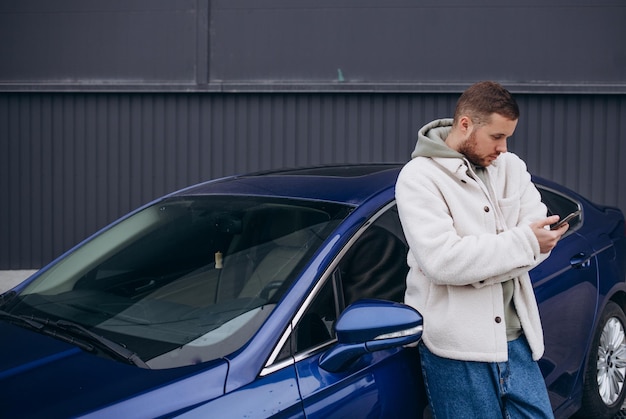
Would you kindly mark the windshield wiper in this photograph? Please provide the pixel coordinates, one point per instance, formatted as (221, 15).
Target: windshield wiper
(114, 348)
(21, 320)
(40, 327)
(68, 332)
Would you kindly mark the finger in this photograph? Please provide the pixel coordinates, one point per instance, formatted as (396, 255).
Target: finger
(564, 227)
(549, 220)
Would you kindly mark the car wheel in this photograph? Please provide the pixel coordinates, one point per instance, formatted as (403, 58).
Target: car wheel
(604, 389)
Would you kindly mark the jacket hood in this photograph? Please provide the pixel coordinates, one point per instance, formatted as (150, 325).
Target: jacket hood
(431, 140)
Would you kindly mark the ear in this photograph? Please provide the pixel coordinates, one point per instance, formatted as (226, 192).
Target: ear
(465, 125)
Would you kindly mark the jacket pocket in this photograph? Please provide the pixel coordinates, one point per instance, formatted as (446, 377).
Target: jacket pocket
(510, 208)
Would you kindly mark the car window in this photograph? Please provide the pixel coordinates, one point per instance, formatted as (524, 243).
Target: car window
(373, 267)
(315, 327)
(561, 205)
(187, 280)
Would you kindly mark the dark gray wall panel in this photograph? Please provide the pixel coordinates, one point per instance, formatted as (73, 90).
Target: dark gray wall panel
(89, 41)
(71, 163)
(406, 41)
(312, 45)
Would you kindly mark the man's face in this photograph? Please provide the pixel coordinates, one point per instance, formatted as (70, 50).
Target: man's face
(485, 142)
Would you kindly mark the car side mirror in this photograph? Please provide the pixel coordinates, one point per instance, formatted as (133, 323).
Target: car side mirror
(368, 326)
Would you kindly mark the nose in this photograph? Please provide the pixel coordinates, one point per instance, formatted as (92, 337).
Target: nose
(501, 146)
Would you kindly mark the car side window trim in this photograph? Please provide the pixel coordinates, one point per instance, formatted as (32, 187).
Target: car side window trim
(271, 365)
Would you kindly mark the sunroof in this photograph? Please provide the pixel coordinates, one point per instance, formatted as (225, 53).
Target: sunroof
(338, 171)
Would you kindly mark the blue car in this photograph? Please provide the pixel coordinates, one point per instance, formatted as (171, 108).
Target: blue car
(280, 295)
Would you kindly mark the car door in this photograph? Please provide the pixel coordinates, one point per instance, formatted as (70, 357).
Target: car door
(566, 289)
(386, 383)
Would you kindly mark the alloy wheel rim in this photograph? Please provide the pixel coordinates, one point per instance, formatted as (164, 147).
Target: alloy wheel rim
(611, 361)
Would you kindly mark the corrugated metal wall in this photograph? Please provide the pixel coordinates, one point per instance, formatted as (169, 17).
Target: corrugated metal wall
(72, 162)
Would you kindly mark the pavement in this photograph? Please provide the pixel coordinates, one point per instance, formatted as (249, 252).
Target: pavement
(9, 279)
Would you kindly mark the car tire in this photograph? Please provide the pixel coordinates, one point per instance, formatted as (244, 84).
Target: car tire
(604, 390)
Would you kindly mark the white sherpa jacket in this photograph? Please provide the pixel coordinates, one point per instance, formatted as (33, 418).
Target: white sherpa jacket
(463, 245)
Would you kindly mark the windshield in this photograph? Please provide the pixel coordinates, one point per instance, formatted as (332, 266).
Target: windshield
(186, 280)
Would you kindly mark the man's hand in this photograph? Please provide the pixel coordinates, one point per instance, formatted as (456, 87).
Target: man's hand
(548, 238)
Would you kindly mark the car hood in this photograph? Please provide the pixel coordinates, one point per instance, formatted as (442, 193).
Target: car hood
(44, 377)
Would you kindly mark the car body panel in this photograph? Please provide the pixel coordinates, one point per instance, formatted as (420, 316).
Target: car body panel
(382, 384)
(566, 294)
(58, 379)
(273, 396)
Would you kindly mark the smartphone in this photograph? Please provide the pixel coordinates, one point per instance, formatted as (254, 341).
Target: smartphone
(565, 220)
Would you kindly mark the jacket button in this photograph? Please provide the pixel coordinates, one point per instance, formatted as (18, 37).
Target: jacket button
(486, 208)
(498, 319)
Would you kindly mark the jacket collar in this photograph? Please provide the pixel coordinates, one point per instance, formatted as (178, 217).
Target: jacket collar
(460, 166)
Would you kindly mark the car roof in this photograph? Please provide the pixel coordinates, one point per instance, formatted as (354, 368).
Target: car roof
(351, 184)
(348, 184)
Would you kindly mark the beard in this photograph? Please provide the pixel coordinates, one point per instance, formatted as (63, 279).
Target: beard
(469, 150)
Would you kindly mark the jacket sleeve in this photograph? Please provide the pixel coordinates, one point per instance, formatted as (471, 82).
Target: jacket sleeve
(447, 257)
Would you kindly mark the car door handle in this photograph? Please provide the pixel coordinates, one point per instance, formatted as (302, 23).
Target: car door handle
(580, 260)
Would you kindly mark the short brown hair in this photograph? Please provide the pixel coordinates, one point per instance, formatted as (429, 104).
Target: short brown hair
(484, 98)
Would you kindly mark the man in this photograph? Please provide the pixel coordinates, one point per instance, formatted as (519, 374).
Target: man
(476, 225)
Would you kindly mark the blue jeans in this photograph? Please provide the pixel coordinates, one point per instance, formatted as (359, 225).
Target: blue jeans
(461, 389)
